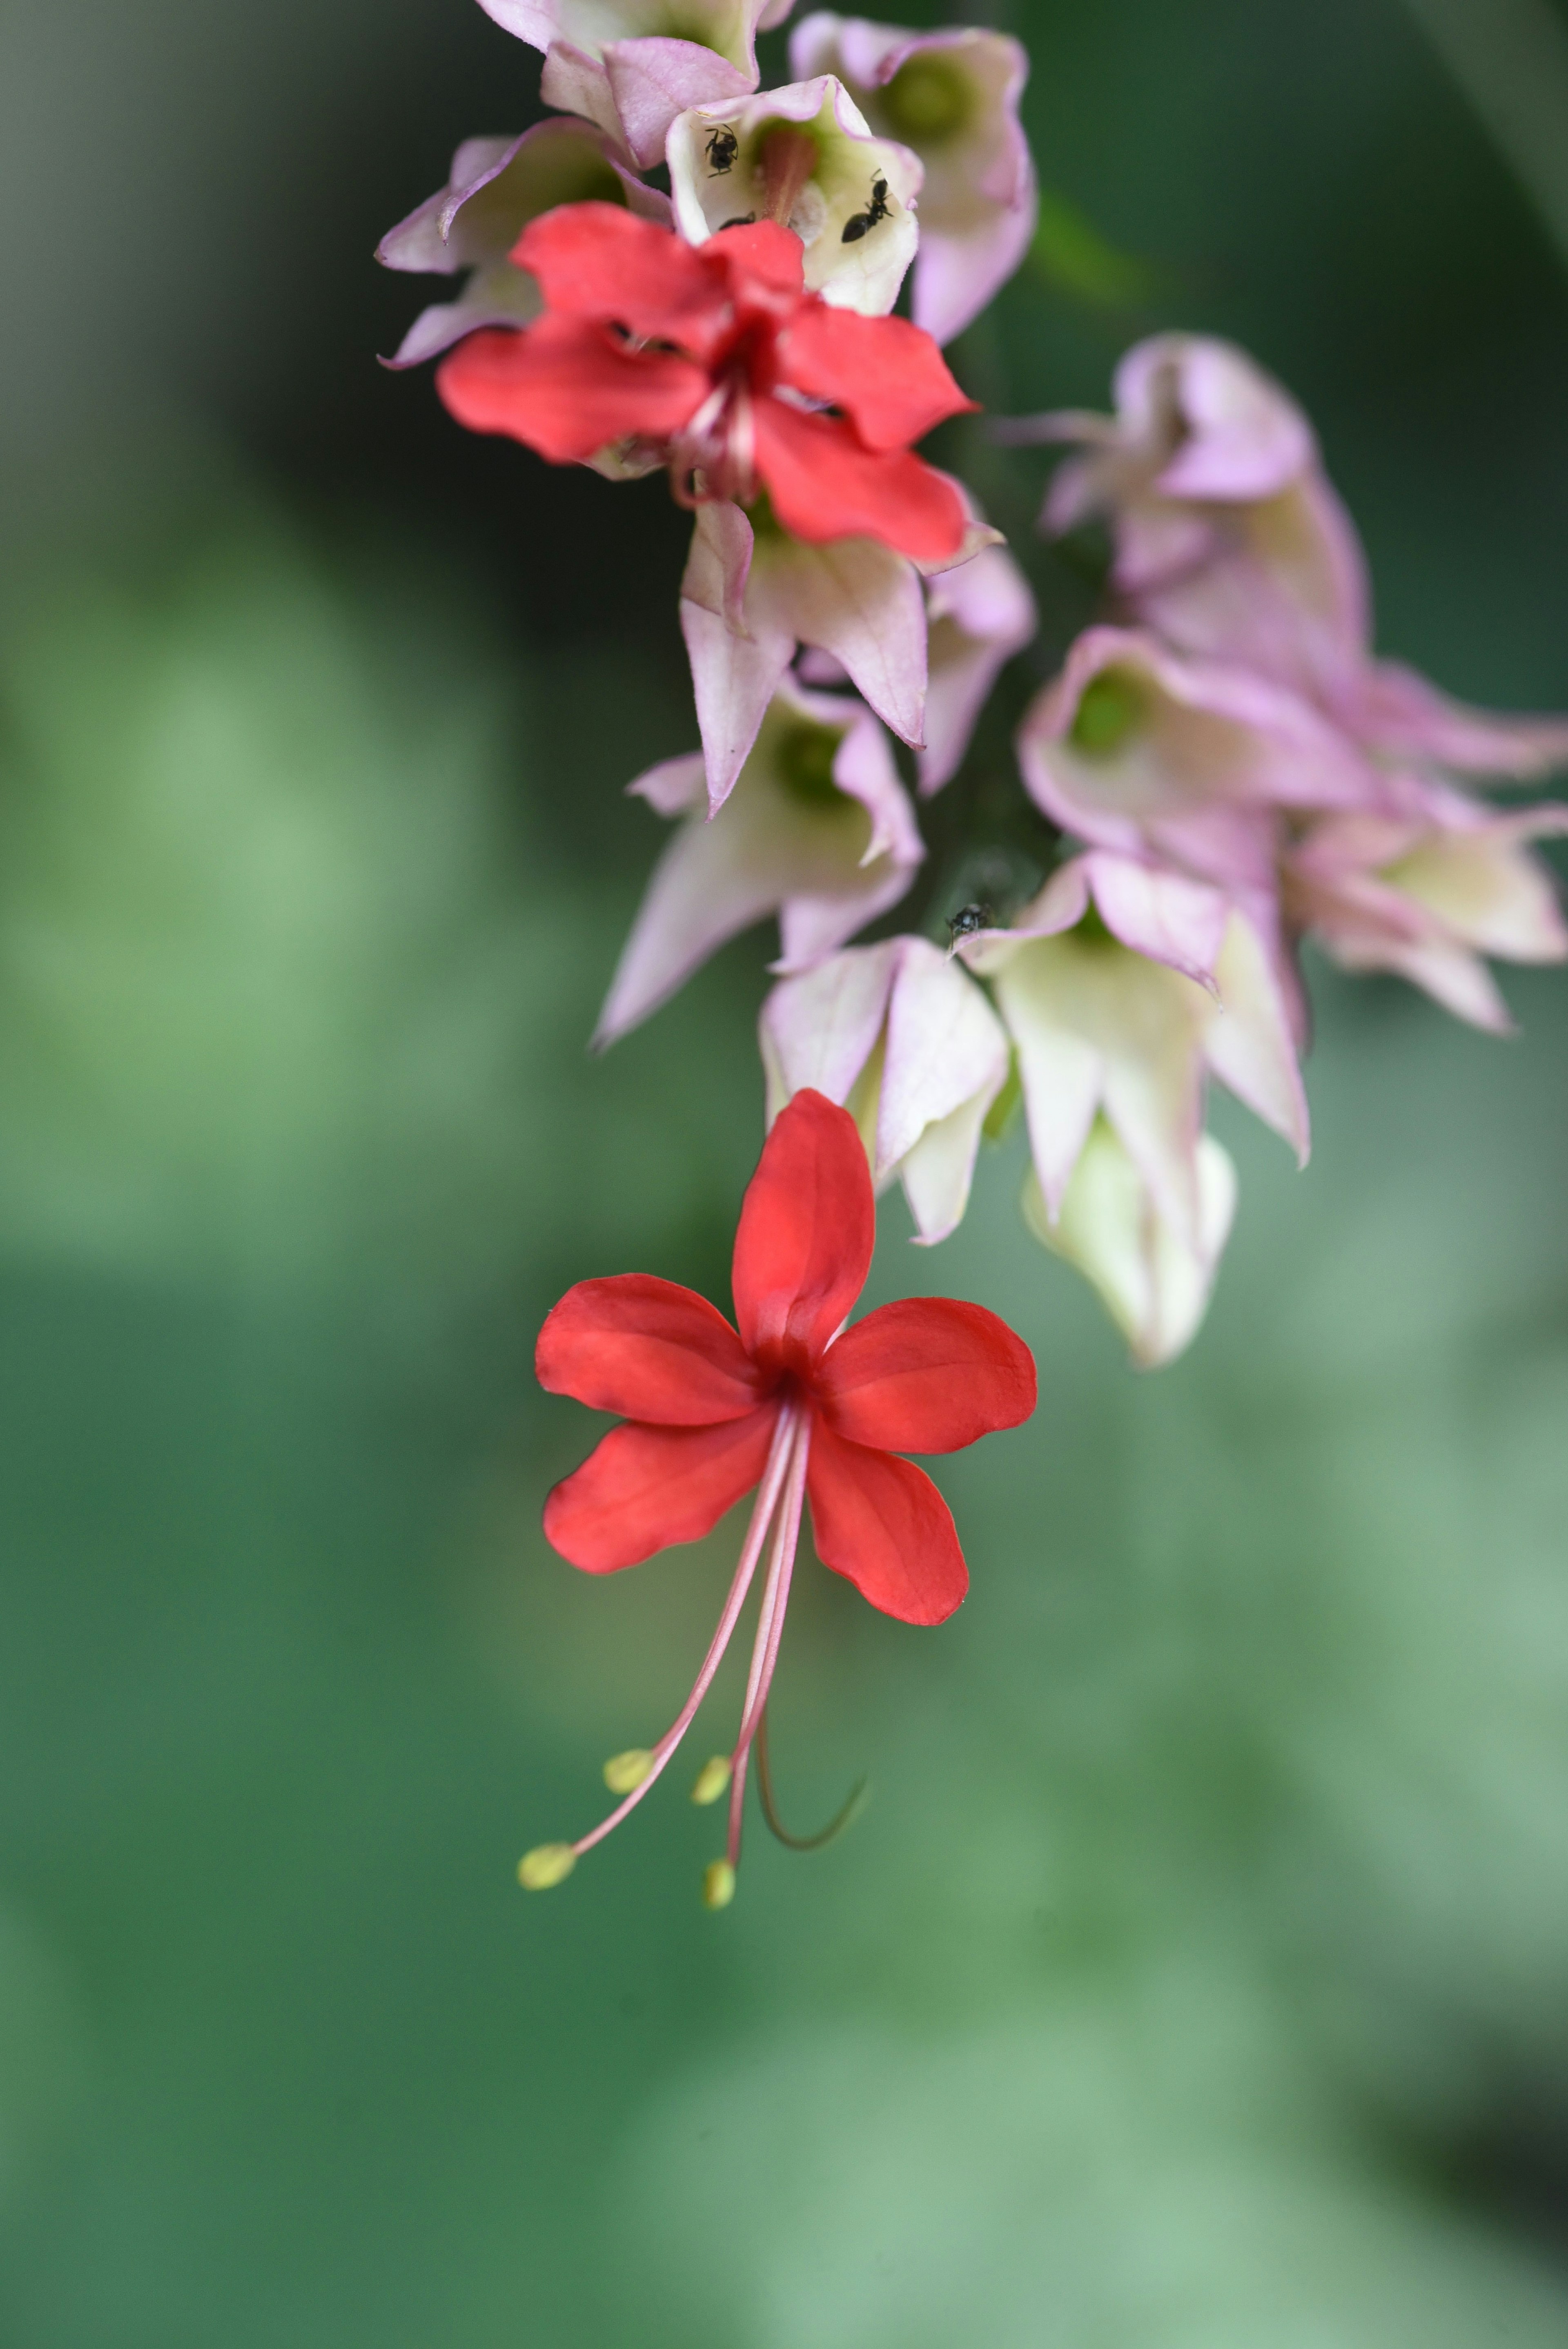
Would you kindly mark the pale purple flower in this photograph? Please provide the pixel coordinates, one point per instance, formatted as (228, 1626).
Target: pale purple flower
(952, 97)
(1153, 1276)
(1431, 894)
(818, 828)
(1135, 749)
(619, 63)
(1125, 1015)
(1401, 716)
(805, 156)
(1228, 540)
(977, 617)
(901, 1036)
(497, 186)
(751, 594)
(1232, 544)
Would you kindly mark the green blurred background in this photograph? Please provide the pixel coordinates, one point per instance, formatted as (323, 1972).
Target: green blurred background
(1198, 1975)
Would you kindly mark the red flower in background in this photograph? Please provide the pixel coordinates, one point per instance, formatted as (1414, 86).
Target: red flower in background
(790, 1399)
(716, 360)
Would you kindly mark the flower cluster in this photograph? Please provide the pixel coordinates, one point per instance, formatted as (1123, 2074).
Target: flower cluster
(679, 272)
(1243, 774)
(1219, 768)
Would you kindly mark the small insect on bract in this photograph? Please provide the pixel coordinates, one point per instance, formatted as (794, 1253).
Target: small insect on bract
(964, 923)
(723, 147)
(877, 210)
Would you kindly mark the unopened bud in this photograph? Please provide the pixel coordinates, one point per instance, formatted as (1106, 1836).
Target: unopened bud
(711, 1779)
(546, 1864)
(717, 1884)
(625, 1770)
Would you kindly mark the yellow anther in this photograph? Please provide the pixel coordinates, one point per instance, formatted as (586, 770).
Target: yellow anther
(711, 1779)
(546, 1864)
(717, 1884)
(623, 1772)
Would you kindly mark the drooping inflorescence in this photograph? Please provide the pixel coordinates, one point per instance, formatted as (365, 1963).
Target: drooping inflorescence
(679, 272)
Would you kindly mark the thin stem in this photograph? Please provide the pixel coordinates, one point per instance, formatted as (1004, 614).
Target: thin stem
(773, 1476)
(769, 1628)
(843, 1817)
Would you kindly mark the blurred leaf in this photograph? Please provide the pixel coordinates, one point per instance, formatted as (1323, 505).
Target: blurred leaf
(1072, 256)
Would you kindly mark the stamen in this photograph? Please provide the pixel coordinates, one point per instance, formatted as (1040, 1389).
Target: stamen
(546, 1864)
(843, 1817)
(625, 1770)
(534, 1871)
(740, 448)
(769, 1628)
(711, 1779)
(714, 455)
(717, 1884)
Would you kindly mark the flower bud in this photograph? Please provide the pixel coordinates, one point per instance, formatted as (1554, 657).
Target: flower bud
(712, 1779)
(623, 1772)
(546, 1864)
(717, 1884)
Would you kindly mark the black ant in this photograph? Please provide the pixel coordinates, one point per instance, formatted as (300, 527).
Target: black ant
(966, 921)
(877, 210)
(723, 147)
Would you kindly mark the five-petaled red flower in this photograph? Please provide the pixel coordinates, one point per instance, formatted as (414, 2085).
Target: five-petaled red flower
(789, 1399)
(715, 360)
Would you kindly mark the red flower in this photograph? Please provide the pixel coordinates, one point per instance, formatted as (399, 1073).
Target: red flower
(788, 1399)
(717, 360)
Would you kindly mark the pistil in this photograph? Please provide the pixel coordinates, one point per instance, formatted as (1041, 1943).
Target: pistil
(786, 161)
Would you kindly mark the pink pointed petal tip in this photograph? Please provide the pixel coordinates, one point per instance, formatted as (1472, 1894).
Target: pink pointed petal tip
(957, 276)
(1243, 436)
(1401, 714)
(655, 79)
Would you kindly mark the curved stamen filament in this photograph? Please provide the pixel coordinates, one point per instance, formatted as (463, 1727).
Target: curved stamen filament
(714, 455)
(769, 1626)
(845, 1817)
(779, 1458)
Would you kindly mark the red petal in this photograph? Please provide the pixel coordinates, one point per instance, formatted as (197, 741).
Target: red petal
(887, 375)
(648, 1350)
(882, 1523)
(825, 484)
(597, 261)
(931, 1374)
(763, 250)
(807, 1227)
(643, 1487)
(567, 389)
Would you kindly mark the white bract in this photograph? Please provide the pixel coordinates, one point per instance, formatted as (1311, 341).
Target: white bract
(1123, 988)
(818, 829)
(804, 156)
(752, 595)
(901, 1036)
(953, 98)
(977, 617)
(1152, 1276)
(497, 186)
